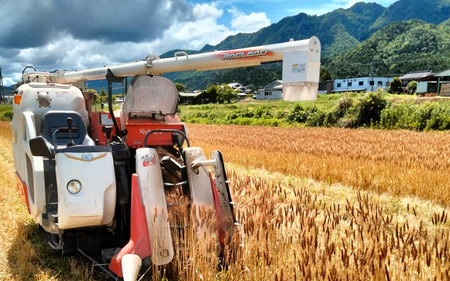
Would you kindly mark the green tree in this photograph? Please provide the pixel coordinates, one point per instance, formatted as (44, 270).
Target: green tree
(96, 95)
(368, 108)
(252, 87)
(92, 91)
(396, 86)
(411, 88)
(225, 93)
(211, 93)
(325, 74)
(180, 87)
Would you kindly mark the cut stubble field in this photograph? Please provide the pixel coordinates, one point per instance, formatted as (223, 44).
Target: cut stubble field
(315, 204)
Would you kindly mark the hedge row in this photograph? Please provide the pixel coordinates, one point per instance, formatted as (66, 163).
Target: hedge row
(350, 111)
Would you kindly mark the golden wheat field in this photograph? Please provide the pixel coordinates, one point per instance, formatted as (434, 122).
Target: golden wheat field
(402, 163)
(314, 204)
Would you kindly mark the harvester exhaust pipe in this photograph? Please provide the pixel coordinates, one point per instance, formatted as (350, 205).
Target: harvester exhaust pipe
(131, 265)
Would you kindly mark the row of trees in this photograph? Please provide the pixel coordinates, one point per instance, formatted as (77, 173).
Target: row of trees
(213, 93)
(102, 97)
(396, 87)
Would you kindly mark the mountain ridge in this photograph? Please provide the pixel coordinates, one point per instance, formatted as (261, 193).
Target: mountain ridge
(341, 32)
(399, 48)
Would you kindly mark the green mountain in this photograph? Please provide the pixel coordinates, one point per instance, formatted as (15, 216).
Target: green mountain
(366, 38)
(339, 30)
(397, 49)
(430, 11)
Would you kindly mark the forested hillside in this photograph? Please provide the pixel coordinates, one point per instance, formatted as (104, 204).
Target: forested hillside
(397, 49)
(431, 11)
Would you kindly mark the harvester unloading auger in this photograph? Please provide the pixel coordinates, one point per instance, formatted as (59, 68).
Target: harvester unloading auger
(111, 185)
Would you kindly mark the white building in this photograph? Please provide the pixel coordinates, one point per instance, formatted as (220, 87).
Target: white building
(242, 90)
(273, 91)
(361, 84)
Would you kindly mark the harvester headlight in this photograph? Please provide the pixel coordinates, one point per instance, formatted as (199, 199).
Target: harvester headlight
(74, 186)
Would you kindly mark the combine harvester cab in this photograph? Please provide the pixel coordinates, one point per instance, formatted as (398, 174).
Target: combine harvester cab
(62, 176)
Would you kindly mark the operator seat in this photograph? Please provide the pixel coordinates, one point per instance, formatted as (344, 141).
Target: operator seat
(150, 96)
(55, 119)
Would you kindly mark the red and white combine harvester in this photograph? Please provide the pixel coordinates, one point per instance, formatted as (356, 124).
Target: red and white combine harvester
(110, 185)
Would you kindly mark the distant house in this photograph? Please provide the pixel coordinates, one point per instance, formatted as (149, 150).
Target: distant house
(427, 82)
(361, 84)
(190, 98)
(273, 91)
(422, 75)
(237, 86)
(242, 90)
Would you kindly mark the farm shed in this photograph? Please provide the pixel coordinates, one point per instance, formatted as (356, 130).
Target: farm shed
(190, 98)
(427, 84)
(422, 75)
(444, 83)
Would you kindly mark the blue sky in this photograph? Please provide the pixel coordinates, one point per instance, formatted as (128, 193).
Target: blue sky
(85, 34)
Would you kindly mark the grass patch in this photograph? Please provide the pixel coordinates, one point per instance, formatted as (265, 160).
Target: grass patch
(6, 112)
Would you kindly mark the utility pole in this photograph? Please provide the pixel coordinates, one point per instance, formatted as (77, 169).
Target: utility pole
(371, 75)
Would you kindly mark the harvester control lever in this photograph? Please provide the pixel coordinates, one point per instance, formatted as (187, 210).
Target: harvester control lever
(69, 126)
(166, 131)
(69, 123)
(108, 131)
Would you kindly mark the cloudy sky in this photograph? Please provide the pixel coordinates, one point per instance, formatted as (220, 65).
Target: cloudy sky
(84, 34)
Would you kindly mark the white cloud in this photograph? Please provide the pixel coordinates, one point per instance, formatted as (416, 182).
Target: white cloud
(209, 10)
(8, 81)
(248, 23)
(66, 52)
(194, 34)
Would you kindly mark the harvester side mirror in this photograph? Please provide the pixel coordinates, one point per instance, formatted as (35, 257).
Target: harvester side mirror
(38, 147)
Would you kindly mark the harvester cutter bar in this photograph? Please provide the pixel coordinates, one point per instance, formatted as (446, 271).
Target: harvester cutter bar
(99, 265)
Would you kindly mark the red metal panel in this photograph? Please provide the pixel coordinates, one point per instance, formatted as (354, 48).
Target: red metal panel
(22, 189)
(139, 243)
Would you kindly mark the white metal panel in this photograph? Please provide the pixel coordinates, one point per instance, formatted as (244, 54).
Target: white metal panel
(301, 70)
(199, 180)
(95, 204)
(151, 186)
